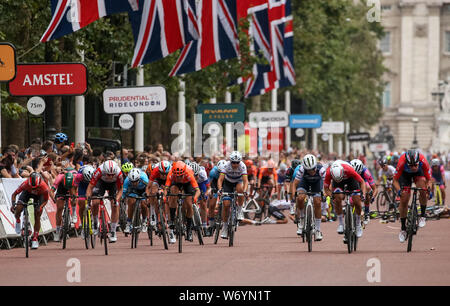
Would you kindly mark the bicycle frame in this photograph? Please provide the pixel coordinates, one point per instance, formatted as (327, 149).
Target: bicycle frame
(350, 222)
(104, 226)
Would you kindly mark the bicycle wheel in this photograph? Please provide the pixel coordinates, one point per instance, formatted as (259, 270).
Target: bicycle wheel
(231, 221)
(85, 229)
(381, 203)
(25, 232)
(218, 223)
(66, 224)
(136, 222)
(251, 210)
(349, 228)
(410, 228)
(308, 226)
(355, 239)
(122, 215)
(197, 224)
(162, 224)
(90, 227)
(104, 231)
(180, 228)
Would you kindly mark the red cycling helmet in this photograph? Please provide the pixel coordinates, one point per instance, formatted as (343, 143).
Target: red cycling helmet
(34, 181)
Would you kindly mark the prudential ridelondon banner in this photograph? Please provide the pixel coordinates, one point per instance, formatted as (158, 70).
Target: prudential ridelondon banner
(134, 100)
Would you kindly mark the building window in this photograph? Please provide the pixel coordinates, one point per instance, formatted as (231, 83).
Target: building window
(447, 41)
(385, 7)
(385, 43)
(387, 96)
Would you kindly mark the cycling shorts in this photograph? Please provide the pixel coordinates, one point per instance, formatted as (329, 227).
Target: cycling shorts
(101, 187)
(25, 196)
(406, 178)
(276, 212)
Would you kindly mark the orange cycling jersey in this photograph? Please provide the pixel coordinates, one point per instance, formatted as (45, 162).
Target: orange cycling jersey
(188, 177)
(264, 171)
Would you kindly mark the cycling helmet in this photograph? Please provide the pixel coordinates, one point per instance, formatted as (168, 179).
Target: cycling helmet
(187, 162)
(412, 157)
(435, 162)
(357, 165)
(295, 163)
(127, 167)
(248, 163)
(309, 162)
(134, 175)
(221, 164)
(235, 156)
(164, 167)
(179, 168)
(383, 161)
(283, 167)
(69, 180)
(337, 172)
(88, 172)
(109, 167)
(60, 138)
(34, 180)
(270, 164)
(196, 168)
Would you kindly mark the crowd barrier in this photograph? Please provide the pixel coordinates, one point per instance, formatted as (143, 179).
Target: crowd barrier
(48, 217)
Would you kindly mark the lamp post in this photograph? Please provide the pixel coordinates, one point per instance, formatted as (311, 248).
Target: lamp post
(439, 93)
(415, 121)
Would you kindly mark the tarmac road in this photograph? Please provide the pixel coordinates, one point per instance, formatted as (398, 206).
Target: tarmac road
(267, 255)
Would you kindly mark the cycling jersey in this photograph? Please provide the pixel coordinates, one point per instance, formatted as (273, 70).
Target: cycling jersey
(41, 190)
(188, 177)
(367, 176)
(422, 170)
(82, 185)
(234, 175)
(202, 180)
(438, 174)
(289, 174)
(349, 174)
(303, 175)
(281, 176)
(155, 175)
(389, 173)
(129, 189)
(265, 172)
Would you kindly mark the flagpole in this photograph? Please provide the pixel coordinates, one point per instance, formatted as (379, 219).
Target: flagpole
(182, 114)
(139, 127)
(287, 106)
(80, 110)
(228, 126)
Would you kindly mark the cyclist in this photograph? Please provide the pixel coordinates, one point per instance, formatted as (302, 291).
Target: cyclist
(205, 188)
(268, 176)
(64, 185)
(214, 175)
(412, 166)
(359, 167)
(386, 171)
(157, 179)
(233, 176)
(181, 179)
(309, 176)
(59, 143)
(126, 168)
(343, 176)
(281, 180)
(135, 186)
(107, 177)
(251, 173)
(36, 188)
(438, 174)
(82, 180)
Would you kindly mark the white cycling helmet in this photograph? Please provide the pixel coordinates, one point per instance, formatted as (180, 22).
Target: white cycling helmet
(337, 172)
(196, 168)
(235, 156)
(357, 165)
(309, 162)
(283, 167)
(88, 172)
(221, 164)
(435, 162)
(109, 167)
(134, 175)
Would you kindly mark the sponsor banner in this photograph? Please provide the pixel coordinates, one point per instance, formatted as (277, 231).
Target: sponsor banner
(305, 121)
(358, 137)
(274, 141)
(49, 79)
(224, 112)
(134, 99)
(379, 147)
(7, 62)
(265, 119)
(331, 127)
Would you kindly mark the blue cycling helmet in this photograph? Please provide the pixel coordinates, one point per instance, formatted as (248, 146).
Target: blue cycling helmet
(60, 138)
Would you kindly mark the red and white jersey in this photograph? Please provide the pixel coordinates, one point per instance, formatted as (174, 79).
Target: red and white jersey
(349, 172)
(99, 175)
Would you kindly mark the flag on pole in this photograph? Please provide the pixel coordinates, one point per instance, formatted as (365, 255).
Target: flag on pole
(217, 26)
(69, 16)
(160, 27)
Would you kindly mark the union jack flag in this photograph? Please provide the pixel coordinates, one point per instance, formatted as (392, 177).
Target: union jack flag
(160, 27)
(217, 26)
(281, 72)
(69, 16)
